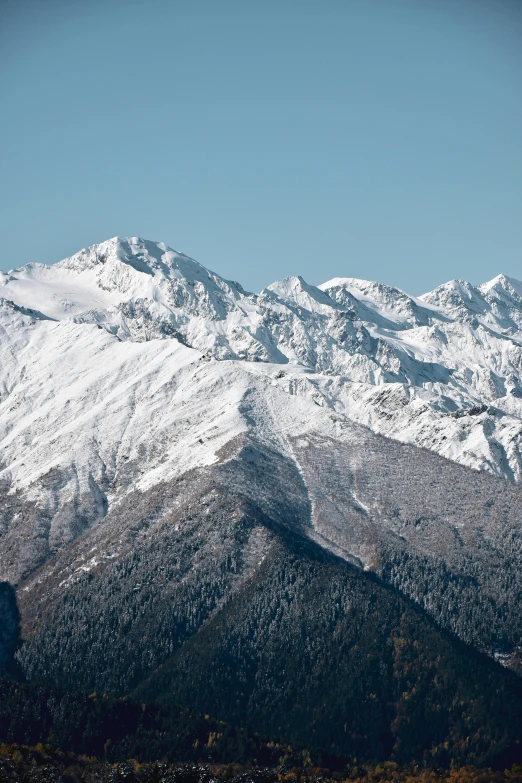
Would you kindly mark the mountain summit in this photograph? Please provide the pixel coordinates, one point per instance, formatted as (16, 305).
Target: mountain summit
(442, 371)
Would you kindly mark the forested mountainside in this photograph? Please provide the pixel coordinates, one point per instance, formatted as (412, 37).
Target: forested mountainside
(235, 612)
(167, 557)
(101, 726)
(310, 652)
(200, 505)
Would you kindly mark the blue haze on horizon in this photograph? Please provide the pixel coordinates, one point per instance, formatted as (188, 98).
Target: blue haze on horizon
(366, 138)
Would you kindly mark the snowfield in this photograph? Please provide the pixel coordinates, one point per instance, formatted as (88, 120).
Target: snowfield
(129, 364)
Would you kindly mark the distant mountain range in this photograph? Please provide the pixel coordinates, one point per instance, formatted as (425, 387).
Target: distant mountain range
(288, 509)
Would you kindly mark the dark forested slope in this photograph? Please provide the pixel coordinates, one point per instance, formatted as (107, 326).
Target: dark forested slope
(307, 649)
(220, 592)
(316, 652)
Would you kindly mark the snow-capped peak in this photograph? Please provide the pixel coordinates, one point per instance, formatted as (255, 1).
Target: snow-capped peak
(443, 370)
(496, 304)
(118, 257)
(504, 283)
(297, 291)
(139, 254)
(117, 271)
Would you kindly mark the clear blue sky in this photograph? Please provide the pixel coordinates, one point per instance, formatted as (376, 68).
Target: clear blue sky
(369, 138)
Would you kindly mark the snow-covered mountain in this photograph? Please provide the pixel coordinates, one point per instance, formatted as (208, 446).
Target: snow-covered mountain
(145, 400)
(129, 364)
(442, 371)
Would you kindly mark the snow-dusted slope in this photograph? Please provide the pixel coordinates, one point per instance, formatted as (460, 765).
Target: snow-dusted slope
(443, 371)
(129, 364)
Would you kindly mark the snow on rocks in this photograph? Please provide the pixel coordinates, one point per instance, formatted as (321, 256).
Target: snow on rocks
(130, 363)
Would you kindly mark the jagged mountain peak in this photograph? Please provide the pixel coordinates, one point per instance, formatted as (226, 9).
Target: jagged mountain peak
(140, 254)
(464, 290)
(503, 290)
(296, 290)
(144, 256)
(118, 271)
(450, 290)
(495, 305)
(382, 304)
(370, 288)
(457, 298)
(397, 363)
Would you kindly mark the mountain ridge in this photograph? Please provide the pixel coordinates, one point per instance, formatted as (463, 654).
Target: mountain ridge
(438, 354)
(198, 483)
(97, 254)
